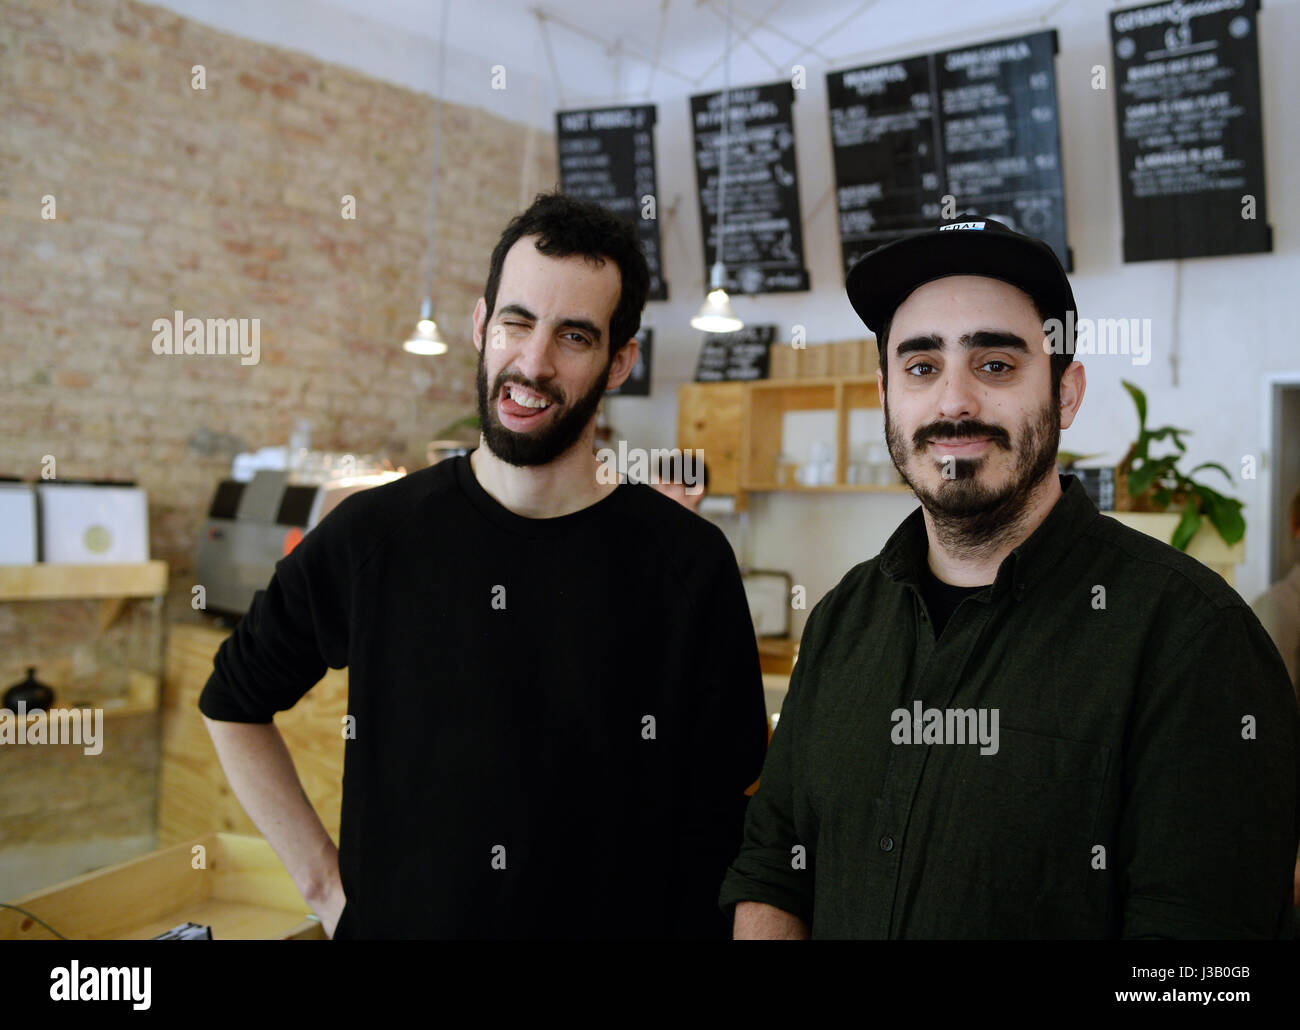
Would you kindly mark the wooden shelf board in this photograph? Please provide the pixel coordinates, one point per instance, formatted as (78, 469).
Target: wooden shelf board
(53, 582)
(142, 699)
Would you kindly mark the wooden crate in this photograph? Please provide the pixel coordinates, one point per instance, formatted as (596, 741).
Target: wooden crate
(242, 891)
(870, 356)
(846, 358)
(783, 362)
(815, 362)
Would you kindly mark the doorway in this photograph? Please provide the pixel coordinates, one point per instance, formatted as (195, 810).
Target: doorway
(1283, 414)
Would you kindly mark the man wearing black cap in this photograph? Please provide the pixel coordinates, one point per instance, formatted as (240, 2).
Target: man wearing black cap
(1021, 719)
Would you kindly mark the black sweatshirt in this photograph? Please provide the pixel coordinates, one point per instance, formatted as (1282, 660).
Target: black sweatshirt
(555, 719)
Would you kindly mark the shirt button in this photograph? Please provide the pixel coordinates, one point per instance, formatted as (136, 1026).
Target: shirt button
(886, 843)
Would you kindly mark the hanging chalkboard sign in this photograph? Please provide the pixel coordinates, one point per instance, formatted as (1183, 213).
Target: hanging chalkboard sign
(1191, 146)
(637, 384)
(738, 356)
(608, 155)
(763, 251)
(978, 123)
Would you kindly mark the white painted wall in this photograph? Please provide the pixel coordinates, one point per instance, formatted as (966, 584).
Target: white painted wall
(1235, 320)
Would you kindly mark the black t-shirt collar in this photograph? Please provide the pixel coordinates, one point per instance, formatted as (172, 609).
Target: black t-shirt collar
(497, 513)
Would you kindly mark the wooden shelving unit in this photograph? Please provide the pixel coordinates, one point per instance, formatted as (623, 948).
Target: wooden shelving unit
(52, 582)
(112, 585)
(739, 427)
(767, 403)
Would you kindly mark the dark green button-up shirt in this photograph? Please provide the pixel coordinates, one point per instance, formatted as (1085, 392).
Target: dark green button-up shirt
(1144, 782)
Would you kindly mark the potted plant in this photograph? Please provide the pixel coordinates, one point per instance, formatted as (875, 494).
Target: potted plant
(1145, 482)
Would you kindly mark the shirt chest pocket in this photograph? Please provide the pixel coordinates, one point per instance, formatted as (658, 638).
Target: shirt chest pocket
(1026, 816)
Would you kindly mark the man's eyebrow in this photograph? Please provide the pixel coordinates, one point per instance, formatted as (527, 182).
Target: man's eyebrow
(517, 309)
(986, 338)
(586, 325)
(983, 338)
(914, 344)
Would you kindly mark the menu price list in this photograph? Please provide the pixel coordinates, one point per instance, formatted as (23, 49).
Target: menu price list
(978, 123)
(735, 357)
(763, 249)
(1191, 149)
(608, 155)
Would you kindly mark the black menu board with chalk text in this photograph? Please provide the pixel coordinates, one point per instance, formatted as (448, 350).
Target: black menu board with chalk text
(608, 155)
(735, 357)
(978, 124)
(763, 249)
(1191, 147)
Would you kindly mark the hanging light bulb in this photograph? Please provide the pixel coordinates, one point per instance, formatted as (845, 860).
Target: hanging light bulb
(426, 339)
(715, 314)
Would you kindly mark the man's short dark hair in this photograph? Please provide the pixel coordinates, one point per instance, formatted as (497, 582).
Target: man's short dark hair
(565, 226)
(1059, 361)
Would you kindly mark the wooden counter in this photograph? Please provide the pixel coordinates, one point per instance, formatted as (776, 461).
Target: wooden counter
(193, 796)
(234, 884)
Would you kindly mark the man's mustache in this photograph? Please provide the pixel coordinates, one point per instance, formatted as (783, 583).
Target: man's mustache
(956, 430)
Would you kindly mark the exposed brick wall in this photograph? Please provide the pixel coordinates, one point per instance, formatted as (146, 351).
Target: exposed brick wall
(222, 203)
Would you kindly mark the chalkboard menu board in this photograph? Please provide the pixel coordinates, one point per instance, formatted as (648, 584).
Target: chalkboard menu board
(764, 244)
(978, 123)
(637, 384)
(738, 356)
(1191, 148)
(608, 155)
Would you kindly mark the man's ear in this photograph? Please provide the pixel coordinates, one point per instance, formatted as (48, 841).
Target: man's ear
(880, 387)
(1073, 384)
(480, 319)
(624, 362)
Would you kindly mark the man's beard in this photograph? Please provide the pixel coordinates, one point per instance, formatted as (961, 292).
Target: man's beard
(970, 518)
(544, 445)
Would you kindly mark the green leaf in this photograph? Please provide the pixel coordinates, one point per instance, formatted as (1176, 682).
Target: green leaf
(1172, 433)
(1186, 528)
(1211, 465)
(1225, 514)
(1161, 497)
(1141, 479)
(1068, 459)
(1140, 399)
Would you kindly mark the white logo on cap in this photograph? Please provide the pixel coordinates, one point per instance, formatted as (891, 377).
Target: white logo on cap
(962, 225)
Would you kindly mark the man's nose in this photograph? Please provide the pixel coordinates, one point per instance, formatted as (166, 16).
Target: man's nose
(536, 357)
(958, 396)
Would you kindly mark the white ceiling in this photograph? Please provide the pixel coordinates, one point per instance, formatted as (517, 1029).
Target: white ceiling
(613, 51)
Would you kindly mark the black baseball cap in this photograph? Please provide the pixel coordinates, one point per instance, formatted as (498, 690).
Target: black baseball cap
(971, 245)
